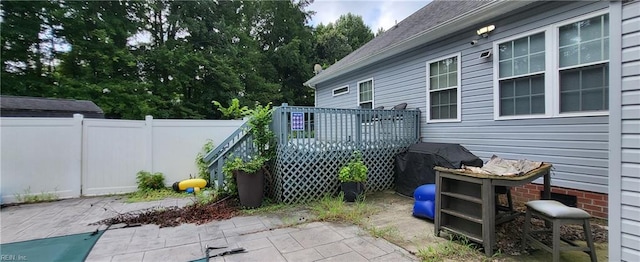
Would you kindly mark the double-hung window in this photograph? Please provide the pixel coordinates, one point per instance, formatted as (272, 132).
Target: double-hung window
(365, 94)
(584, 65)
(521, 75)
(560, 70)
(443, 88)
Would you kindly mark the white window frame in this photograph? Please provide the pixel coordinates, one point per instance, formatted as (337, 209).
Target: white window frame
(548, 88)
(551, 73)
(333, 92)
(373, 92)
(556, 98)
(458, 118)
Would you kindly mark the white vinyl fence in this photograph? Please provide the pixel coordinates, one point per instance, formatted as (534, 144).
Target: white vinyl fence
(70, 157)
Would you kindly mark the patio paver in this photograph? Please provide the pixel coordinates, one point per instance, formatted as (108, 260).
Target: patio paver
(263, 237)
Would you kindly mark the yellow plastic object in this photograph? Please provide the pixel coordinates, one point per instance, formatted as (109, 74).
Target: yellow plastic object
(196, 190)
(195, 183)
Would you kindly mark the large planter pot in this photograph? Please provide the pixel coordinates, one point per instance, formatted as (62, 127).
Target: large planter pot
(250, 187)
(352, 190)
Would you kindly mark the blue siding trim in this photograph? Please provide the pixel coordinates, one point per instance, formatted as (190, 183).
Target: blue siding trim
(624, 172)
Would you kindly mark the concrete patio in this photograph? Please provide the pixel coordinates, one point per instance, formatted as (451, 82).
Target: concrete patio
(266, 238)
(274, 236)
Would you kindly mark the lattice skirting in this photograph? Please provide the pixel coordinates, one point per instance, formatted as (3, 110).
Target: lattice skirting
(303, 175)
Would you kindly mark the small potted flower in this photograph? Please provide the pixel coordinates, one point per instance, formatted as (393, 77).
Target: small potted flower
(353, 176)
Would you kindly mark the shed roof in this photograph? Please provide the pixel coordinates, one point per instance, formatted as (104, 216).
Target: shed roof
(47, 104)
(437, 19)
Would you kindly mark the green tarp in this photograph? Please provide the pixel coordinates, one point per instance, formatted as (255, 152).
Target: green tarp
(63, 248)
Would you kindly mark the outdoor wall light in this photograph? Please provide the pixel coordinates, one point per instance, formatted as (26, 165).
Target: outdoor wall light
(485, 54)
(484, 32)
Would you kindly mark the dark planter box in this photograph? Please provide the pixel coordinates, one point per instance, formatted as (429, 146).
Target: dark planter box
(351, 190)
(250, 187)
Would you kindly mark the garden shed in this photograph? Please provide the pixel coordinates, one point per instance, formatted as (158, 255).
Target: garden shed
(23, 106)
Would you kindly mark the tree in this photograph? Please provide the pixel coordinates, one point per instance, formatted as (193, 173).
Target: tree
(100, 66)
(167, 58)
(336, 40)
(286, 43)
(331, 45)
(353, 27)
(28, 42)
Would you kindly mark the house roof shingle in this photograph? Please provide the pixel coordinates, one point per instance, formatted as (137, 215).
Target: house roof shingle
(427, 17)
(438, 15)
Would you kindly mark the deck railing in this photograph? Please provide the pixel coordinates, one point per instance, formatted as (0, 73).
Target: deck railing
(314, 143)
(239, 144)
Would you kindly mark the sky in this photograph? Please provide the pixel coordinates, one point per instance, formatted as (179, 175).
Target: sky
(375, 14)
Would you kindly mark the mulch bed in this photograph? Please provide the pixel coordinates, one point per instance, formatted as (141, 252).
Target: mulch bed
(509, 235)
(174, 216)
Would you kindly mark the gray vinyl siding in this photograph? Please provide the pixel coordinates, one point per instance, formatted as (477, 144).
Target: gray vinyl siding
(576, 146)
(630, 133)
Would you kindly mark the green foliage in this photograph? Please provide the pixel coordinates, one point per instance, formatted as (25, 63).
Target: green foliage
(388, 232)
(234, 111)
(229, 187)
(334, 209)
(457, 248)
(28, 197)
(232, 166)
(336, 40)
(153, 195)
(251, 166)
(263, 136)
(355, 170)
(203, 170)
(205, 197)
(148, 181)
(269, 208)
(255, 51)
(27, 66)
(263, 140)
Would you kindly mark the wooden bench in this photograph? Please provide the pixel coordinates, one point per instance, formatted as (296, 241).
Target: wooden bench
(558, 214)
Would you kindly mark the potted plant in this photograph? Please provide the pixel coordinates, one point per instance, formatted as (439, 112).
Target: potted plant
(353, 175)
(247, 175)
(247, 178)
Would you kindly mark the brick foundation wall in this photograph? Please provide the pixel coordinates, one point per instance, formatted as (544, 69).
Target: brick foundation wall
(594, 203)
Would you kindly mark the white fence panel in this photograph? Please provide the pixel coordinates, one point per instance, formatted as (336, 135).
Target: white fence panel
(40, 155)
(70, 157)
(176, 144)
(113, 152)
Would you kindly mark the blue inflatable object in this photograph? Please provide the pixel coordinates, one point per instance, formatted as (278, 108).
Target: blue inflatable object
(425, 193)
(424, 209)
(425, 197)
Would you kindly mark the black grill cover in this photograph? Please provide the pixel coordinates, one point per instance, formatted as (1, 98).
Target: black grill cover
(414, 167)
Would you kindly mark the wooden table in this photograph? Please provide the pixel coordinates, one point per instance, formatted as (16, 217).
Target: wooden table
(465, 202)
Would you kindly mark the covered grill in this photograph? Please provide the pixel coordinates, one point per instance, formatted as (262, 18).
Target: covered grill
(414, 167)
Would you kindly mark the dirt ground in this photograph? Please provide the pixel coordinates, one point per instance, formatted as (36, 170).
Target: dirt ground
(414, 233)
(394, 221)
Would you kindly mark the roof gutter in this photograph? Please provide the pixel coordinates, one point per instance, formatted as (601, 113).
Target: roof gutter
(466, 20)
